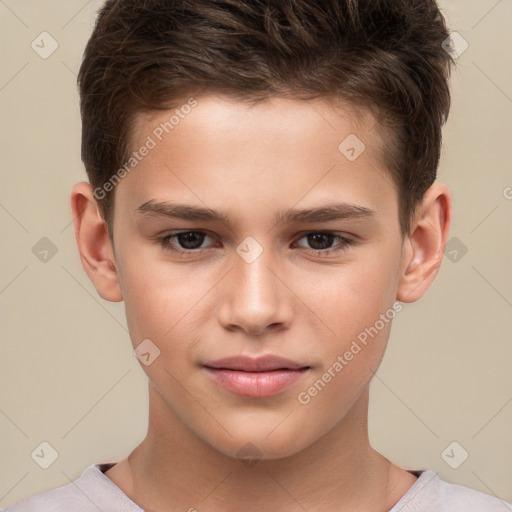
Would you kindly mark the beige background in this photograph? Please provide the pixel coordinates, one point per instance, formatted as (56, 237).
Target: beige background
(67, 371)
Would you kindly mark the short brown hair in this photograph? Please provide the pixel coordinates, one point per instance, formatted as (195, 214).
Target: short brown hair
(387, 55)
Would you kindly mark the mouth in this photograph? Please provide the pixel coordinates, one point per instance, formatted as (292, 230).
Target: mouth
(255, 377)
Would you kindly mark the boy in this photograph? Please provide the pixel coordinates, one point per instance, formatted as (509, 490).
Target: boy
(224, 141)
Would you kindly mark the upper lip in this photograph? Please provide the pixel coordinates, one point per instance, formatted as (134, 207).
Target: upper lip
(259, 364)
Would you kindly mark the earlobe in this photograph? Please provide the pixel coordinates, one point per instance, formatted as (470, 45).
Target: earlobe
(424, 247)
(94, 245)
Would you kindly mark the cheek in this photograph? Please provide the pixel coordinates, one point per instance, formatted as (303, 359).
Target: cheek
(163, 303)
(356, 303)
(351, 297)
(155, 296)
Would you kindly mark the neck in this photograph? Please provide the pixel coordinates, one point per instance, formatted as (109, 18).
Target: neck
(173, 469)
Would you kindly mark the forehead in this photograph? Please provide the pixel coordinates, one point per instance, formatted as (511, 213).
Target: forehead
(216, 151)
(273, 115)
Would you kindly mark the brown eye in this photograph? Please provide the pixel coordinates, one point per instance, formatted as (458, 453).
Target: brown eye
(322, 242)
(184, 243)
(190, 239)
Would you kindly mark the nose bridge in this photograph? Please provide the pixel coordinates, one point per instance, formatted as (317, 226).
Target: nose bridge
(254, 297)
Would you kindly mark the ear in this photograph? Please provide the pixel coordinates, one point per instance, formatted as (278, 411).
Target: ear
(94, 245)
(423, 248)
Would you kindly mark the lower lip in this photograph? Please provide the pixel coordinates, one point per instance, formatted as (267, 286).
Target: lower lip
(255, 384)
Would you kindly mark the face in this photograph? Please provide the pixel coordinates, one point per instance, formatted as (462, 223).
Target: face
(255, 233)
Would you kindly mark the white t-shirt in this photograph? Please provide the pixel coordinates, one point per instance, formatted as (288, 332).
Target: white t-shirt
(92, 491)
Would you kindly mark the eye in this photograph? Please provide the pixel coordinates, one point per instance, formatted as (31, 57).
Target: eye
(321, 242)
(189, 242)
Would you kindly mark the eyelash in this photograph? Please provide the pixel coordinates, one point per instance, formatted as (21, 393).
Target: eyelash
(343, 245)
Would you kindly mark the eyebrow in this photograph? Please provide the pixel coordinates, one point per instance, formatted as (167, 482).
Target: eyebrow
(328, 212)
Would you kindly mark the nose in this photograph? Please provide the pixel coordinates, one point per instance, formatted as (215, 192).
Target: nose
(253, 297)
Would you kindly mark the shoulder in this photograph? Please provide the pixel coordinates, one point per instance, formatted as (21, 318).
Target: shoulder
(430, 493)
(90, 492)
(66, 497)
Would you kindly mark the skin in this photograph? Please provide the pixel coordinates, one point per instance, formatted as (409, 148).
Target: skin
(250, 162)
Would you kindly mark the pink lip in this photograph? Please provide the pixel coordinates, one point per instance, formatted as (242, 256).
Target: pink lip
(260, 377)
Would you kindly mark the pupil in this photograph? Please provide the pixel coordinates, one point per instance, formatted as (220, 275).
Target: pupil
(189, 240)
(316, 237)
(193, 240)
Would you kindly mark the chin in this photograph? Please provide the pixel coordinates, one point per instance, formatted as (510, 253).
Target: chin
(250, 447)
(253, 451)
